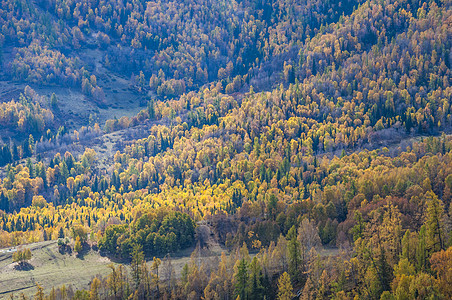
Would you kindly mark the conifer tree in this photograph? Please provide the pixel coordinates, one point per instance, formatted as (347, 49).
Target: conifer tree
(241, 279)
(285, 289)
(294, 251)
(255, 285)
(434, 223)
(421, 250)
(137, 260)
(94, 289)
(40, 292)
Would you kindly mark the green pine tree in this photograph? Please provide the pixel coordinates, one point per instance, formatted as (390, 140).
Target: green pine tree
(241, 280)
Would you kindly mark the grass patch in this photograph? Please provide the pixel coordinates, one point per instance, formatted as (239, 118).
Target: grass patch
(49, 268)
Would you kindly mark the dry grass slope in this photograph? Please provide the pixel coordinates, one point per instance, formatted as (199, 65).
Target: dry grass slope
(49, 268)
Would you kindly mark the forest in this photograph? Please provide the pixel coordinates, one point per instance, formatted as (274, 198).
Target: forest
(312, 139)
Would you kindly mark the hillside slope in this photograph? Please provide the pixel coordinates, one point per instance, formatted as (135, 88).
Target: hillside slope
(49, 268)
(285, 126)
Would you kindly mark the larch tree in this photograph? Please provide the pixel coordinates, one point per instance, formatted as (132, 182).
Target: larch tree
(285, 288)
(94, 289)
(39, 292)
(137, 260)
(434, 223)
